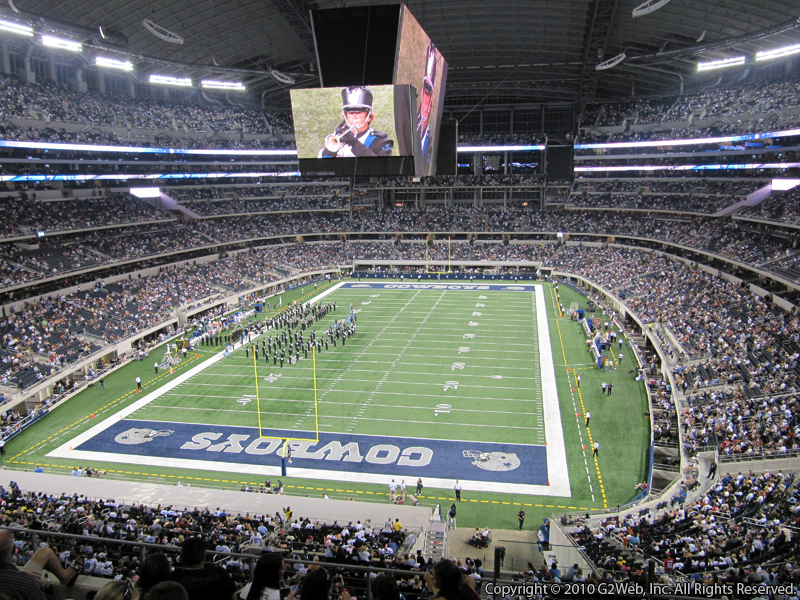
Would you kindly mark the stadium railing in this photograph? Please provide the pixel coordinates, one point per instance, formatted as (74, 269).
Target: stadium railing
(36, 537)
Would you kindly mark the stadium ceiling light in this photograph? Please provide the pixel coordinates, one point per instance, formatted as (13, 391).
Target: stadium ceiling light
(778, 52)
(166, 80)
(17, 28)
(223, 85)
(611, 62)
(54, 42)
(647, 7)
(721, 64)
(282, 77)
(122, 65)
(162, 32)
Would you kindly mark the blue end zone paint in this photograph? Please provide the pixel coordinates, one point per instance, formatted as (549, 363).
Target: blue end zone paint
(463, 287)
(379, 455)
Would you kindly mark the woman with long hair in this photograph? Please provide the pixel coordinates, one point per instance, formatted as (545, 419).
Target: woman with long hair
(155, 569)
(267, 578)
(447, 582)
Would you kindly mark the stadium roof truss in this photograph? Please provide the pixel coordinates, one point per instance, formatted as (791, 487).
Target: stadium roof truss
(511, 52)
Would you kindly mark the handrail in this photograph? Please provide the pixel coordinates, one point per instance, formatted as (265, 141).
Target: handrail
(251, 558)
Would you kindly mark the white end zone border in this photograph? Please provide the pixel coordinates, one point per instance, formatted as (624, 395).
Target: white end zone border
(553, 430)
(556, 452)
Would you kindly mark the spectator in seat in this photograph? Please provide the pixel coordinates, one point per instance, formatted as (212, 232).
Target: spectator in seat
(24, 583)
(202, 582)
(266, 584)
(318, 584)
(118, 590)
(385, 588)
(451, 582)
(154, 570)
(167, 590)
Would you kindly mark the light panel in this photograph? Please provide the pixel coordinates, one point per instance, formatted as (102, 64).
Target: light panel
(167, 80)
(223, 85)
(146, 192)
(125, 177)
(782, 185)
(62, 44)
(718, 167)
(689, 141)
(721, 64)
(17, 28)
(140, 150)
(218, 152)
(122, 65)
(778, 52)
(500, 148)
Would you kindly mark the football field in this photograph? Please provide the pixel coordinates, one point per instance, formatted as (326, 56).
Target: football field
(444, 382)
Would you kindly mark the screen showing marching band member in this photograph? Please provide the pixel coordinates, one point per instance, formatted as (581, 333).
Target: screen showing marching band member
(353, 122)
(420, 64)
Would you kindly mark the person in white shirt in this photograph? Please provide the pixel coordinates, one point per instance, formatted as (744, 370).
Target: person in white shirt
(106, 568)
(392, 491)
(90, 565)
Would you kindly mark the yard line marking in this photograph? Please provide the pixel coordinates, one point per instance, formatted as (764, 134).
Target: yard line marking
(322, 396)
(438, 396)
(398, 358)
(241, 412)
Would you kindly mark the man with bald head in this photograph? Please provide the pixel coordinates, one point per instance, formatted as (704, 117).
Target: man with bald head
(23, 584)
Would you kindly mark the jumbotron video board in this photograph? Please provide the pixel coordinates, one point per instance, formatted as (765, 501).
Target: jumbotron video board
(420, 64)
(354, 121)
(379, 108)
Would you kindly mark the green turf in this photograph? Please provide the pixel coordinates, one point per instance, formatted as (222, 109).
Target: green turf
(393, 372)
(409, 344)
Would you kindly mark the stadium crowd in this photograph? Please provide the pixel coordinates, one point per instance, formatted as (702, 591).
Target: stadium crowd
(757, 244)
(735, 532)
(755, 107)
(59, 103)
(171, 533)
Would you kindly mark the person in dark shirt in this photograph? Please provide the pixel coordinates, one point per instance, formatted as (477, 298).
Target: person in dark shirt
(201, 581)
(22, 584)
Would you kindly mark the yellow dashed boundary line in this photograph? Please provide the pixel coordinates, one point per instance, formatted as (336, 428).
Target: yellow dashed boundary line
(298, 487)
(583, 408)
(591, 445)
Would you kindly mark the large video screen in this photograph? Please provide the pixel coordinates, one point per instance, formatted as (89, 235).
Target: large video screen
(354, 121)
(420, 64)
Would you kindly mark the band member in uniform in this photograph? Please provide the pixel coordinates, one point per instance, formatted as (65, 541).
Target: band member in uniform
(425, 105)
(354, 136)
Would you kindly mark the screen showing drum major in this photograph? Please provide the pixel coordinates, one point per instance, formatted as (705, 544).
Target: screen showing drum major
(421, 65)
(353, 122)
